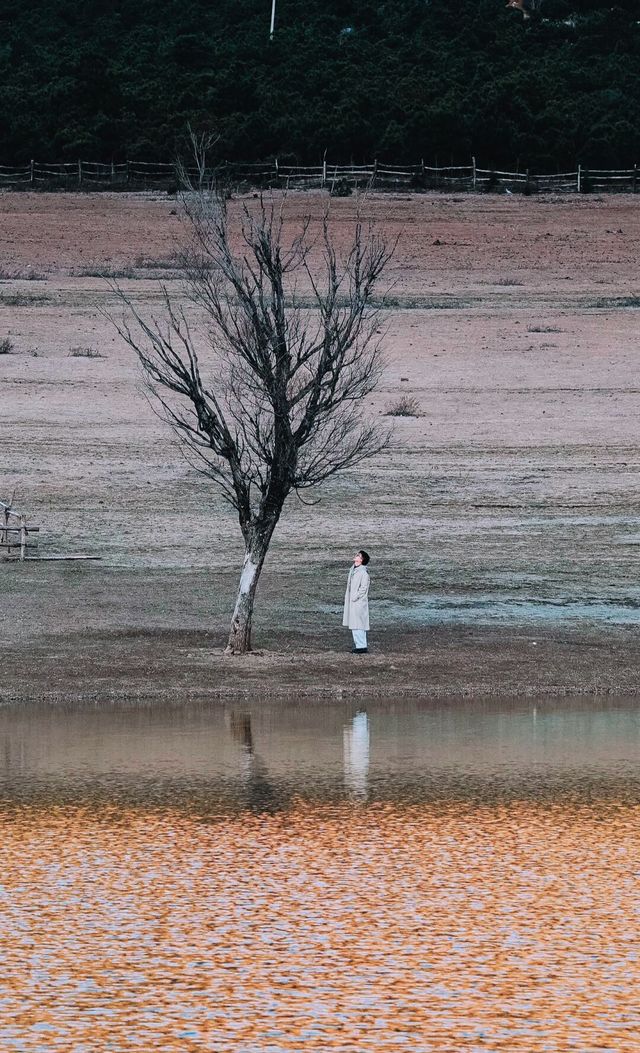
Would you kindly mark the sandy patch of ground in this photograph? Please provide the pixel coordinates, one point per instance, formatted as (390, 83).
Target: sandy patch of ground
(503, 525)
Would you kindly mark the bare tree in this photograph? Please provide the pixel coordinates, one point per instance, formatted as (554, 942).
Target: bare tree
(200, 145)
(274, 405)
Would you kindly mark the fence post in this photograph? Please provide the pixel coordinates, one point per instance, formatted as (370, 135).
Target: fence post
(32, 173)
(579, 178)
(634, 189)
(277, 170)
(324, 170)
(375, 172)
(23, 537)
(79, 173)
(474, 172)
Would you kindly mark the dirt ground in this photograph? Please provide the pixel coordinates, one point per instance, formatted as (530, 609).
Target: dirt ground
(503, 524)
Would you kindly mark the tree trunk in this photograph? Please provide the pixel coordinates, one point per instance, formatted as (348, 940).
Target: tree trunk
(240, 634)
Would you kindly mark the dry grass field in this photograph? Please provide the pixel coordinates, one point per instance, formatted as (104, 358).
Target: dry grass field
(503, 524)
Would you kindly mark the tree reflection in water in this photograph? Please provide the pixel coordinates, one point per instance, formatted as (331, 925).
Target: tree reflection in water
(260, 795)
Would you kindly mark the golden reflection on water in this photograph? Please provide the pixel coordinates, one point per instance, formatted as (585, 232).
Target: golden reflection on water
(447, 927)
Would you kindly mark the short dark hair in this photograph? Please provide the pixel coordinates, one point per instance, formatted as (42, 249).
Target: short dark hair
(365, 557)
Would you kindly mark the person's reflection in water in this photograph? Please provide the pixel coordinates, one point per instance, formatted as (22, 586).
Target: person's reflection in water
(356, 756)
(260, 794)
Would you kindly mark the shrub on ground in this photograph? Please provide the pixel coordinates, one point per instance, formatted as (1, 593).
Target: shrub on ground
(405, 407)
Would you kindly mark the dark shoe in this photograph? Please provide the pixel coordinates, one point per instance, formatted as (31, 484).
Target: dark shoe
(359, 650)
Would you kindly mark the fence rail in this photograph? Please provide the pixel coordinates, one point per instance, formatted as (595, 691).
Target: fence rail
(101, 175)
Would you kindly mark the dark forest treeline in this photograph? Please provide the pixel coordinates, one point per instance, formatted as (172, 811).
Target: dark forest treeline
(439, 79)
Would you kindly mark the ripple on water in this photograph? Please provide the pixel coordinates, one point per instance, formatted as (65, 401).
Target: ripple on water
(457, 925)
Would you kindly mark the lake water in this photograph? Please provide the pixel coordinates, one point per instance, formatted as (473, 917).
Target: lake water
(282, 877)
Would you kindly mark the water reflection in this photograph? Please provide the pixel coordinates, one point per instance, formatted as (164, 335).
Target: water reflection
(264, 879)
(356, 755)
(259, 794)
(263, 756)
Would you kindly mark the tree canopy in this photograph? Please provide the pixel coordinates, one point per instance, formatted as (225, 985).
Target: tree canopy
(435, 79)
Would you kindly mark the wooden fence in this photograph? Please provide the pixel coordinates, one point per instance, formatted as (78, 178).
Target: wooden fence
(15, 532)
(336, 178)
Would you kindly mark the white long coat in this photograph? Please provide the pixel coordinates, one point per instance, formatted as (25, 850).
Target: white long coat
(356, 601)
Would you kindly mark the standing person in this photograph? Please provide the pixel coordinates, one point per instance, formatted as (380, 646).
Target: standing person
(356, 602)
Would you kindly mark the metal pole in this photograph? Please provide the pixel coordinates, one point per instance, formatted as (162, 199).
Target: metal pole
(273, 19)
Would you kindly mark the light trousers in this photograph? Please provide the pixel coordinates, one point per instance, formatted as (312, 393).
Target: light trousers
(359, 638)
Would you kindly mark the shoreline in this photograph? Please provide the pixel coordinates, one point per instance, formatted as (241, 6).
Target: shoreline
(148, 667)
